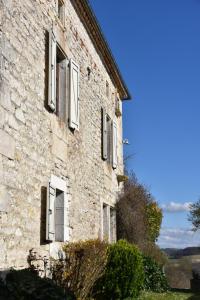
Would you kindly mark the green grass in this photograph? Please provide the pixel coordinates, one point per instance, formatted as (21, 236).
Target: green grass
(169, 296)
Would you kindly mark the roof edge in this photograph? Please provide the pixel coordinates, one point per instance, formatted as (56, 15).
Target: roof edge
(87, 16)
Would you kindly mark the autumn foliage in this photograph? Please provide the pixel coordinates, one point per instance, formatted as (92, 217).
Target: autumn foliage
(139, 218)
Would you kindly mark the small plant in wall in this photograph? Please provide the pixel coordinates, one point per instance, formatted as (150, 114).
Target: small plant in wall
(118, 112)
(122, 178)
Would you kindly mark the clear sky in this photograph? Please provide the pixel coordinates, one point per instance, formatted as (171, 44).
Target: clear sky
(157, 47)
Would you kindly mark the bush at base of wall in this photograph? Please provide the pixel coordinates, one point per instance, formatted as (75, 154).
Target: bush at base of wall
(155, 279)
(83, 265)
(124, 274)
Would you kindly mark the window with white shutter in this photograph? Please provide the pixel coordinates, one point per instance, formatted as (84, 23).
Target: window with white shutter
(109, 139)
(57, 211)
(114, 144)
(108, 223)
(74, 96)
(58, 79)
(104, 135)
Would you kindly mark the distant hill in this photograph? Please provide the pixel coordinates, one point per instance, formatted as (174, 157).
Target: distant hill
(178, 253)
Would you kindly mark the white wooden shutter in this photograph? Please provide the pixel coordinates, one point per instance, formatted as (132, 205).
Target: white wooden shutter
(66, 218)
(106, 222)
(74, 96)
(52, 72)
(114, 144)
(50, 223)
(104, 135)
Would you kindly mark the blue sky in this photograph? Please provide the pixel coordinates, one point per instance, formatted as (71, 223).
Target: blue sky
(157, 47)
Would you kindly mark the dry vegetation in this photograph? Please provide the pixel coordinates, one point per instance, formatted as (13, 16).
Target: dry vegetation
(179, 271)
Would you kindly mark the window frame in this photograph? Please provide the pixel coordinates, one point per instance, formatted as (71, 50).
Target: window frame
(60, 185)
(64, 115)
(109, 139)
(110, 236)
(60, 11)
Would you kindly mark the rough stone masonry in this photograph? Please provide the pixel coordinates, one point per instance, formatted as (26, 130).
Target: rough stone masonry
(36, 143)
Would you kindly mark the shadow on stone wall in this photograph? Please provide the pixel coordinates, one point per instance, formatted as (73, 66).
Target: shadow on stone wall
(46, 71)
(27, 285)
(43, 216)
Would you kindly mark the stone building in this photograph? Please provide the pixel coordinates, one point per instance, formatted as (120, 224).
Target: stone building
(61, 149)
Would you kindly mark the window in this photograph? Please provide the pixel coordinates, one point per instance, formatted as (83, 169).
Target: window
(107, 89)
(60, 9)
(117, 107)
(63, 90)
(57, 227)
(109, 139)
(109, 223)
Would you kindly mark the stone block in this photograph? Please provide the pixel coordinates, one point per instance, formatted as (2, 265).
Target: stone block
(59, 148)
(7, 145)
(20, 115)
(12, 122)
(5, 100)
(2, 117)
(5, 199)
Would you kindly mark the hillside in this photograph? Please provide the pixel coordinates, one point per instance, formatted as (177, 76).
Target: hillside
(178, 253)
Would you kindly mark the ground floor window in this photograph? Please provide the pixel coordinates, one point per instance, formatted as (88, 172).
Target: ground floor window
(57, 225)
(108, 223)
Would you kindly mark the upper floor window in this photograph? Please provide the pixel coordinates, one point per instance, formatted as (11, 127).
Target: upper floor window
(118, 112)
(63, 90)
(60, 9)
(107, 89)
(109, 139)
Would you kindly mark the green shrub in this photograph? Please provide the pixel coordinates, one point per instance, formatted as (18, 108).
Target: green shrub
(155, 280)
(83, 265)
(124, 275)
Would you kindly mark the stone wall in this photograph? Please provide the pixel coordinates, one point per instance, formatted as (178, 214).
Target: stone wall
(35, 143)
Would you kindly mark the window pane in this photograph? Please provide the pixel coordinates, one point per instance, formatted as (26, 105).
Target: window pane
(59, 215)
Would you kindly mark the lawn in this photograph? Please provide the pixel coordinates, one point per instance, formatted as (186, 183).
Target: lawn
(169, 296)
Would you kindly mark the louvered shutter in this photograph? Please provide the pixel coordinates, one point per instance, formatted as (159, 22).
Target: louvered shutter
(104, 135)
(114, 144)
(52, 72)
(50, 223)
(74, 96)
(66, 218)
